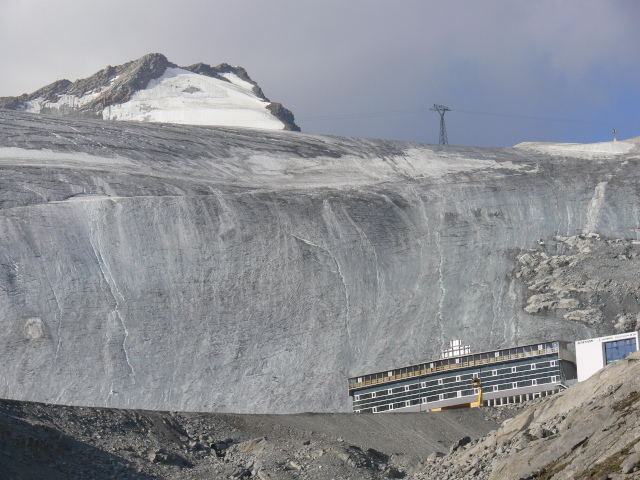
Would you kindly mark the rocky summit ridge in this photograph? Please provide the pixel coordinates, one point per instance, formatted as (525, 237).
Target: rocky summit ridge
(112, 86)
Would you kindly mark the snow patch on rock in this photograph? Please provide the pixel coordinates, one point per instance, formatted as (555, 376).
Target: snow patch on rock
(583, 150)
(183, 97)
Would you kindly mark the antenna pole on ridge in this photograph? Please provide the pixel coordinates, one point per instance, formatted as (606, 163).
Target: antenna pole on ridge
(441, 109)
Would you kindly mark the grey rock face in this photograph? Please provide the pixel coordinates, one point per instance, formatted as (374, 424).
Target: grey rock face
(215, 72)
(120, 83)
(195, 268)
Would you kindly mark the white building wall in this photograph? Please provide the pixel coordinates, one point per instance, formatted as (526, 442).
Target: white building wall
(590, 356)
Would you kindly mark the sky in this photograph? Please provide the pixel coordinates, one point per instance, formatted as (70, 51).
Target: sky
(510, 71)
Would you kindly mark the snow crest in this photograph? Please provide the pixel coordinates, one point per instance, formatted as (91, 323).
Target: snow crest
(183, 97)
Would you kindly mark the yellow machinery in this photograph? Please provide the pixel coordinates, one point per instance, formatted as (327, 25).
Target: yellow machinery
(476, 384)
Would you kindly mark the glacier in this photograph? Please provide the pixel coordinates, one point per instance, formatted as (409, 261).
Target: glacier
(175, 267)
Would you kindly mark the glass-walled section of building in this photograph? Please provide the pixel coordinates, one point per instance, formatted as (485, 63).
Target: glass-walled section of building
(619, 349)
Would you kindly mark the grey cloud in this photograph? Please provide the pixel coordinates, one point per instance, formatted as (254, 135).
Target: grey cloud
(534, 59)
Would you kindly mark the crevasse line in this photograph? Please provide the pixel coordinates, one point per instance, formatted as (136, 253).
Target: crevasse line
(342, 279)
(593, 211)
(104, 269)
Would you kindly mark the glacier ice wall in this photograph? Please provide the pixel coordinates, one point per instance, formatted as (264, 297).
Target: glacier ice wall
(194, 268)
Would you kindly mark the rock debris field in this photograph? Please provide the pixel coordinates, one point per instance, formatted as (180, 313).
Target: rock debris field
(584, 278)
(591, 430)
(38, 440)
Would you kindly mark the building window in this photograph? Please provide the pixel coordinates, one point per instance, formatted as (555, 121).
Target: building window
(475, 375)
(406, 388)
(390, 391)
(533, 366)
(457, 378)
(424, 399)
(459, 393)
(359, 379)
(423, 385)
(357, 397)
(441, 396)
(391, 406)
(373, 395)
(534, 382)
(407, 403)
(539, 347)
(495, 388)
(515, 384)
(554, 363)
(475, 391)
(439, 381)
(619, 349)
(494, 373)
(553, 379)
(513, 369)
(375, 409)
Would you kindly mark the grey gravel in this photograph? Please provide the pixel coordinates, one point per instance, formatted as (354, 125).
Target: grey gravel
(49, 441)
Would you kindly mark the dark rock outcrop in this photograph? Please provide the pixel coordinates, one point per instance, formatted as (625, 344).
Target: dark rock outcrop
(57, 442)
(285, 115)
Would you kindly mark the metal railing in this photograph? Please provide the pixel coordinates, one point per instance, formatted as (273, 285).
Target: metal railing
(453, 366)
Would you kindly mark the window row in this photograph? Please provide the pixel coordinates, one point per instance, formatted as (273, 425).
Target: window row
(445, 386)
(358, 403)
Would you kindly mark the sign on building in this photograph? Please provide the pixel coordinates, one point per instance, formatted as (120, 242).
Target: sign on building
(594, 353)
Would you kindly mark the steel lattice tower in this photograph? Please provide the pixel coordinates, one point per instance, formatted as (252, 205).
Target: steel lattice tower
(441, 109)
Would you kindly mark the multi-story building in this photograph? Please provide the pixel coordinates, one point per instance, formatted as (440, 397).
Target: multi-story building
(509, 375)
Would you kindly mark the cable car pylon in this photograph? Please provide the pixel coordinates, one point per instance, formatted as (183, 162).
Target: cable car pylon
(441, 109)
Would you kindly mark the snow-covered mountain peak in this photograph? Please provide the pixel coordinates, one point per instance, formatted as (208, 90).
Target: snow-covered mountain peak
(156, 90)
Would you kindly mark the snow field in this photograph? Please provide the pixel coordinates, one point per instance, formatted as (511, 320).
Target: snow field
(183, 97)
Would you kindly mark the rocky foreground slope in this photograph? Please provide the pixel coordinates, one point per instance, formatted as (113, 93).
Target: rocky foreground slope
(75, 442)
(192, 268)
(590, 431)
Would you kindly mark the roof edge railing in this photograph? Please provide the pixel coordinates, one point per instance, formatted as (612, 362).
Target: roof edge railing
(453, 366)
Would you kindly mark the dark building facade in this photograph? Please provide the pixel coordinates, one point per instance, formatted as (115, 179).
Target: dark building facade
(509, 375)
